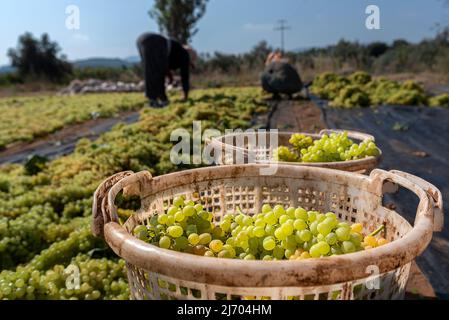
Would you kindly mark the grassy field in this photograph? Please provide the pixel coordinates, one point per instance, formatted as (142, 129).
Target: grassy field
(25, 118)
(45, 217)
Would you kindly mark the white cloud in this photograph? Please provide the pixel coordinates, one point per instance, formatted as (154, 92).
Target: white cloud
(79, 37)
(257, 26)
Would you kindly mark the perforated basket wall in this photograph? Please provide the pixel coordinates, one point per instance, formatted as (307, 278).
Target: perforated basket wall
(257, 147)
(156, 273)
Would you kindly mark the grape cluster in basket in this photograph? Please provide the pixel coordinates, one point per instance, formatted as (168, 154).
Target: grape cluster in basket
(329, 148)
(274, 234)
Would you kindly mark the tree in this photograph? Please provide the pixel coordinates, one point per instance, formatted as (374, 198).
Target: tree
(376, 49)
(178, 18)
(39, 59)
(258, 54)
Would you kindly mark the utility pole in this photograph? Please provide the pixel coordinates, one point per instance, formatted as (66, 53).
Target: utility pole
(282, 27)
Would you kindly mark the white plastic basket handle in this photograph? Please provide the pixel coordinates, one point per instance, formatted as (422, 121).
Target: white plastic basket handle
(417, 186)
(103, 208)
(433, 192)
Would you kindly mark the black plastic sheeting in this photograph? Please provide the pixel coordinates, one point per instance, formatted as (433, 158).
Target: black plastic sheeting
(414, 140)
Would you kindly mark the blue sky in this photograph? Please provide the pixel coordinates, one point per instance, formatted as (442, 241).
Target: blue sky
(109, 28)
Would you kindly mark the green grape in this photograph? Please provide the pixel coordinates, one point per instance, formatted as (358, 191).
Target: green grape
(165, 242)
(205, 238)
(225, 225)
(331, 238)
(269, 230)
(291, 212)
(247, 221)
(283, 219)
(278, 210)
(175, 231)
(311, 216)
(314, 227)
(306, 235)
(315, 251)
(189, 211)
(259, 223)
(198, 207)
(301, 213)
(209, 253)
(280, 234)
(355, 238)
(343, 233)
(299, 224)
(266, 208)
(267, 258)
(289, 253)
(278, 252)
(348, 247)
(229, 249)
(269, 243)
(324, 228)
(179, 216)
(162, 219)
(224, 254)
(324, 247)
(178, 201)
(141, 232)
(216, 245)
(287, 228)
(259, 232)
(194, 239)
(170, 220)
(249, 257)
(270, 218)
(172, 210)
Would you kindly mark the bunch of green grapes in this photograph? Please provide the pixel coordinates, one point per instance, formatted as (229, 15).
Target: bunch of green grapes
(44, 277)
(441, 100)
(97, 279)
(300, 141)
(351, 96)
(274, 234)
(285, 154)
(338, 147)
(329, 148)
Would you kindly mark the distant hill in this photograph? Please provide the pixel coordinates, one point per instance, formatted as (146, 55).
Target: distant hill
(102, 63)
(92, 63)
(6, 69)
(133, 59)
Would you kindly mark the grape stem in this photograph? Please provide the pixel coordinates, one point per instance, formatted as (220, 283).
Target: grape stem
(378, 230)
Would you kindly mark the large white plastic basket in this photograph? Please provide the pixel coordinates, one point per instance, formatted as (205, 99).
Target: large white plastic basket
(156, 273)
(257, 147)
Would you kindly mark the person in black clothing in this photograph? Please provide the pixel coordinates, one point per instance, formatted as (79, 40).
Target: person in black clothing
(159, 57)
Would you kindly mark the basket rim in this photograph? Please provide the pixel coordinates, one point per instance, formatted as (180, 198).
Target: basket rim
(310, 272)
(356, 135)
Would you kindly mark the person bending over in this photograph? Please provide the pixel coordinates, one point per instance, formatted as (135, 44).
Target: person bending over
(160, 56)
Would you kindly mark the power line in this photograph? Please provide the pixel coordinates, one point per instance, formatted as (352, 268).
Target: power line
(282, 27)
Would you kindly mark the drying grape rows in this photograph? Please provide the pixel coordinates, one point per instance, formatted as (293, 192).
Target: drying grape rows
(361, 90)
(45, 217)
(26, 118)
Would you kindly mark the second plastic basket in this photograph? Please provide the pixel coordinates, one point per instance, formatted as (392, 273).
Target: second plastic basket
(256, 147)
(156, 273)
